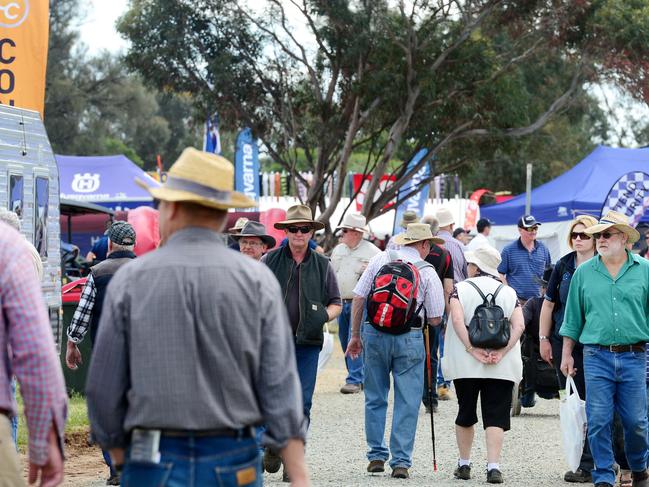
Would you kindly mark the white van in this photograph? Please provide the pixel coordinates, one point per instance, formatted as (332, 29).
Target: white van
(29, 186)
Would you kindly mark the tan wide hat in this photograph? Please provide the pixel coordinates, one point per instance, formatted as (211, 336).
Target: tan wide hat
(408, 218)
(445, 217)
(354, 221)
(238, 225)
(416, 232)
(615, 219)
(299, 214)
(202, 178)
(486, 258)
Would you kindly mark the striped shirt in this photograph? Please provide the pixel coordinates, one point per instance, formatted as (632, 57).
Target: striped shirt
(25, 329)
(456, 249)
(521, 267)
(430, 290)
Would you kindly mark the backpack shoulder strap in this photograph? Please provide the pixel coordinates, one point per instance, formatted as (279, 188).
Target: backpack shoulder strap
(422, 264)
(393, 255)
(484, 298)
(496, 292)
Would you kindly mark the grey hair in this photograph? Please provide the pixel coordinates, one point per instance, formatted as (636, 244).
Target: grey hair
(120, 248)
(10, 218)
(433, 222)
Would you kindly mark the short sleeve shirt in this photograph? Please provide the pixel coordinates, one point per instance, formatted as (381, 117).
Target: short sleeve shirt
(522, 267)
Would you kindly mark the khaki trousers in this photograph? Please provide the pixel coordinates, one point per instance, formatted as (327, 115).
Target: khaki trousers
(10, 472)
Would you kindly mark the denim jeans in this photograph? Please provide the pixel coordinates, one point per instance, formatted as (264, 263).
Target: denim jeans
(354, 366)
(14, 419)
(198, 461)
(440, 377)
(433, 339)
(403, 356)
(615, 382)
(306, 357)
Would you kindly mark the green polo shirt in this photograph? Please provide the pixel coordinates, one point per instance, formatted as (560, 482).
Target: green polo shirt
(606, 311)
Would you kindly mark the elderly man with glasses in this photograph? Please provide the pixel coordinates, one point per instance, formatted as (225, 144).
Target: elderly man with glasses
(253, 240)
(524, 260)
(607, 310)
(311, 297)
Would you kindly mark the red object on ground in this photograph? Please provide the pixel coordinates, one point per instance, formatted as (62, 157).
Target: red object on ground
(71, 292)
(145, 222)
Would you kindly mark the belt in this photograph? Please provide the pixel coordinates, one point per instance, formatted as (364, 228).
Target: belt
(223, 432)
(347, 301)
(636, 347)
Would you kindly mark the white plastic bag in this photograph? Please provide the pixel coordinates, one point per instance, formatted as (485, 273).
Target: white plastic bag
(327, 348)
(572, 412)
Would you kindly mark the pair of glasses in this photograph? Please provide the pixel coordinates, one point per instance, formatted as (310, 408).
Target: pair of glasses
(298, 229)
(532, 229)
(580, 236)
(246, 243)
(605, 235)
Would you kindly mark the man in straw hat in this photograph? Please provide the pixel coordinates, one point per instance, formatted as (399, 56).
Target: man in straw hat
(254, 241)
(402, 355)
(311, 297)
(194, 350)
(407, 218)
(607, 311)
(349, 259)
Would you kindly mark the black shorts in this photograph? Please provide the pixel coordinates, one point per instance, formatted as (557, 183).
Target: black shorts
(495, 401)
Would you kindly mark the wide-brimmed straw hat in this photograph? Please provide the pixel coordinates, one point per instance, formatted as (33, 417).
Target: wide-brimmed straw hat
(445, 217)
(299, 214)
(486, 258)
(238, 225)
(614, 219)
(416, 232)
(407, 218)
(202, 178)
(256, 229)
(354, 221)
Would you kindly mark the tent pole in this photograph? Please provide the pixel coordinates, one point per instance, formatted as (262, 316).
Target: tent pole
(528, 190)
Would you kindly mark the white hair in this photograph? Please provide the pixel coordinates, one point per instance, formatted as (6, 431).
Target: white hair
(10, 218)
(120, 248)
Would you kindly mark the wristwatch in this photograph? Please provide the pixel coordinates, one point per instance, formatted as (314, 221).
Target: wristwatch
(543, 337)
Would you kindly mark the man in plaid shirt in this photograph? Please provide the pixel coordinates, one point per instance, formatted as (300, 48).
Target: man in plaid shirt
(121, 242)
(27, 351)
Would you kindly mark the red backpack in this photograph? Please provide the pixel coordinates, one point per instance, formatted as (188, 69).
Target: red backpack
(392, 301)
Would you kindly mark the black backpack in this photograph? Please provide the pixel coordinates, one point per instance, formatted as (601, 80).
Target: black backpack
(489, 327)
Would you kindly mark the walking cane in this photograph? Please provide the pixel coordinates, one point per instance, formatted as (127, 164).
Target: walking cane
(429, 372)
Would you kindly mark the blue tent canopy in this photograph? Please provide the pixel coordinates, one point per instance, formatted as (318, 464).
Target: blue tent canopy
(582, 189)
(105, 180)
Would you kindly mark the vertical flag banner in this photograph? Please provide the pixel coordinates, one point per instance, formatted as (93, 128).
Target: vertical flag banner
(629, 195)
(24, 31)
(416, 202)
(212, 140)
(246, 165)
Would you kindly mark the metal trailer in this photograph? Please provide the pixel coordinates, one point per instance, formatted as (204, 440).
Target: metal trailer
(29, 186)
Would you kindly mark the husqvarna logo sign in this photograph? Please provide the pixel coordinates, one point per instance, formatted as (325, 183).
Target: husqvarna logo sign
(85, 183)
(13, 12)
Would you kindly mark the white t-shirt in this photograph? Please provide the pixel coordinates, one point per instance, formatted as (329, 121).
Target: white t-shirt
(349, 265)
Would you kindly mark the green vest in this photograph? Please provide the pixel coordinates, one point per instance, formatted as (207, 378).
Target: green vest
(313, 291)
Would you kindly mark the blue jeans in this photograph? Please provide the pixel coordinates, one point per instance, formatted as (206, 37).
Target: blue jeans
(306, 357)
(197, 461)
(14, 419)
(440, 377)
(354, 366)
(615, 381)
(106, 456)
(403, 356)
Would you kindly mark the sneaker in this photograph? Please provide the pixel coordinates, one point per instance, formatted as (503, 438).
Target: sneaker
(400, 473)
(444, 393)
(351, 388)
(494, 476)
(462, 472)
(271, 461)
(579, 477)
(376, 466)
(113, 480)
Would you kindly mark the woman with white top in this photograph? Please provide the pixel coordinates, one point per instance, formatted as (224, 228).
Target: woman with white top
(490, 374)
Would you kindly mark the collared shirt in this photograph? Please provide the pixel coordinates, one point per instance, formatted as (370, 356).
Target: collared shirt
(456, 249)
(606, 311)
(27, 349)
(430, 290)
(194, 336)
(80, 323)
(521, 267)
(349, 264)
(478, 241)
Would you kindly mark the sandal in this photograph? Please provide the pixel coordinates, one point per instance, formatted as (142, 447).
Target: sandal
(625, 478)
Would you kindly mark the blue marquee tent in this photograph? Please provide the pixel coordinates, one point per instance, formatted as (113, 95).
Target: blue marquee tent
(582, 189)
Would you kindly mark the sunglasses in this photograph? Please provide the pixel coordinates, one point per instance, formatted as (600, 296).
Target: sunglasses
(299, 229)
(580, 236)
(531, 229)
(605, 235)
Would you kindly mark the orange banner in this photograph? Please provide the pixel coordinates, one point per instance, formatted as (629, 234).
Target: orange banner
(24, 30)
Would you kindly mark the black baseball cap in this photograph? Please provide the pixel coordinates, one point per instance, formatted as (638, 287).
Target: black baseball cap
(483, 223)
(527, 221)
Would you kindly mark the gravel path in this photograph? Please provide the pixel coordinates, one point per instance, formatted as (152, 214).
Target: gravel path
(532, 454)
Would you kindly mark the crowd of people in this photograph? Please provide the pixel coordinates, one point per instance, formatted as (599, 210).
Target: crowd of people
(205, 355)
